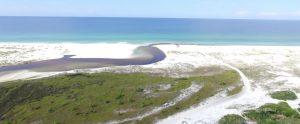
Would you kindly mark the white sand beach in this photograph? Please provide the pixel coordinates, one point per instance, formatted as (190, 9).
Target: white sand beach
(267, 68)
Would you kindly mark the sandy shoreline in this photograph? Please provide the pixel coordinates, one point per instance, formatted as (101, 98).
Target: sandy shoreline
(269, 68)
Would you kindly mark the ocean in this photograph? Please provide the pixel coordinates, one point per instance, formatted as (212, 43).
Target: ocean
(149, 30)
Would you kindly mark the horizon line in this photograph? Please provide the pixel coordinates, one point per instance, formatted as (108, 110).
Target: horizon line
(196, 18)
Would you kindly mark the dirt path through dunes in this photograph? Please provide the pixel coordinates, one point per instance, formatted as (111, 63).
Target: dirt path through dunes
(215, 106)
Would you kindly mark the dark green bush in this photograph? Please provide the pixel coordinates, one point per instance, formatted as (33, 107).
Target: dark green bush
(284, 95)
(232, 119)
(272, 113)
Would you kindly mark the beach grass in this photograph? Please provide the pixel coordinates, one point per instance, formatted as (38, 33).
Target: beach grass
(232, 119)
(269, 113)
(101, 97)
(272, 113)
(284, 95)
(235, 90)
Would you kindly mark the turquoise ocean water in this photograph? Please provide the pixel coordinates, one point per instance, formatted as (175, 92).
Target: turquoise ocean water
(149, 30)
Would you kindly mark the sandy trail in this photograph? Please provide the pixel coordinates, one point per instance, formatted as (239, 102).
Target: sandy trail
(206, 105)
(190, 116)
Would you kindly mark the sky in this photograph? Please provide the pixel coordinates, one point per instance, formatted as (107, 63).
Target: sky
(228, 9)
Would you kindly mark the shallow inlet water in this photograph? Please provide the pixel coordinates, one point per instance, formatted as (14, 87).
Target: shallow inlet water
(142, 55)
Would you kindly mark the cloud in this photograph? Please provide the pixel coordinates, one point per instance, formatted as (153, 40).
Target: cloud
(243, 13)
(269, 13)
(280, 14)
(296, 13)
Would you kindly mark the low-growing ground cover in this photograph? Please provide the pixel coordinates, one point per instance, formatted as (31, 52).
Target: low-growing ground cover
(101, 97)
(269, 113)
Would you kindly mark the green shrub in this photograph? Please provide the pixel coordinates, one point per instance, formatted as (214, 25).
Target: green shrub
(139, 90)
(232, 119)
(284, 95)
(271, 113)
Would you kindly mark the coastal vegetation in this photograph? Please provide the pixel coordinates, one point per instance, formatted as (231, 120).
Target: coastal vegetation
(235, 90)
(284, 95)
(272, 113)
(232, 119)
(102, 97)
(269, 113)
